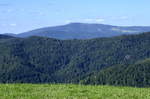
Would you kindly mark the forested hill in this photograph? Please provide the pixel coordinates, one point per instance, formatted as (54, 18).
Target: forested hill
(42, 60)
(137, 74)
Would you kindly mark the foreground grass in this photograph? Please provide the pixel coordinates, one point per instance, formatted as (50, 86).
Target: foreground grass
(48, 91)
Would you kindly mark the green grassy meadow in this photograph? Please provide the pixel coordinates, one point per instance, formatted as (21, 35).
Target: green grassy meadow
(64, 91)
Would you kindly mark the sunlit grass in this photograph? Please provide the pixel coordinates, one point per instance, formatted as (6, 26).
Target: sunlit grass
(64, 91)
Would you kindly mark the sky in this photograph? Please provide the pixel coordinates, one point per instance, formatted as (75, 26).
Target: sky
(17, 16)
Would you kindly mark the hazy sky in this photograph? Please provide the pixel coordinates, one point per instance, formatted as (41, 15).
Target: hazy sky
(22, 15)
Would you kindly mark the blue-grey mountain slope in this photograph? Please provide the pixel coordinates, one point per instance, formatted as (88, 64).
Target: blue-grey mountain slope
(83, 31)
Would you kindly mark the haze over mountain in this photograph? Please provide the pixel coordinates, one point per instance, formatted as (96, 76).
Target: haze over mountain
(83, 31)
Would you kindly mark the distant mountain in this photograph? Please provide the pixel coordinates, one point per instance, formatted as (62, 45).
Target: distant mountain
(83, 31)
(5, 36)
(10, 34)
(47, 60)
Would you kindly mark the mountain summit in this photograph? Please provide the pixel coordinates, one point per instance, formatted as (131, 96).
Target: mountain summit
(83, 31)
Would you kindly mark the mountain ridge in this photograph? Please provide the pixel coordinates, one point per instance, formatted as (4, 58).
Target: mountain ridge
(83, 31)
(46, 60)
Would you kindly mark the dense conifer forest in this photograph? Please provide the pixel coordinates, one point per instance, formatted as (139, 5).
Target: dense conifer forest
(122, 60)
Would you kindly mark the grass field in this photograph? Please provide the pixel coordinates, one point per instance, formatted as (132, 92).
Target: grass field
(48, 91)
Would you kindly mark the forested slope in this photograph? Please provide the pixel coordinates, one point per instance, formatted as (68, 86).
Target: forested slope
(137, 74)
(42, 60)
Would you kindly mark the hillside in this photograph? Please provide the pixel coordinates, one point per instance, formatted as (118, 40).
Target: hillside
(137, 74)
(83, 31)
(46, 60)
